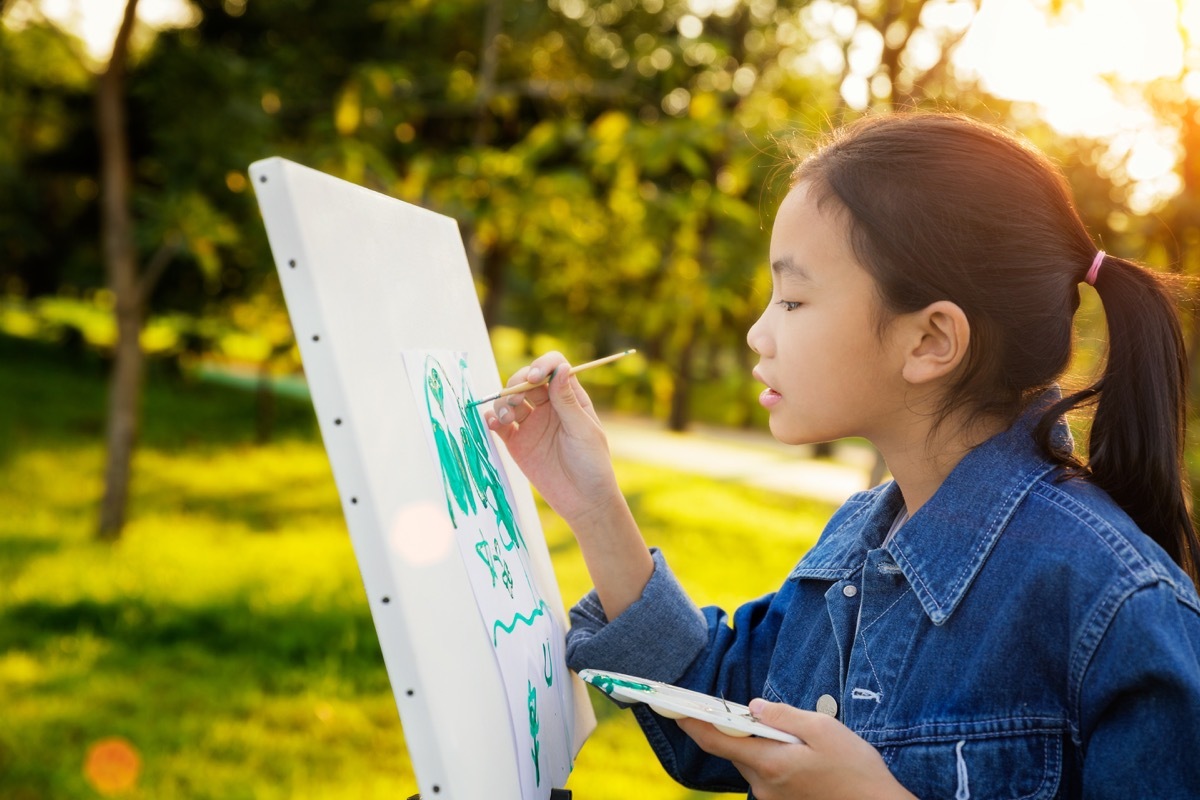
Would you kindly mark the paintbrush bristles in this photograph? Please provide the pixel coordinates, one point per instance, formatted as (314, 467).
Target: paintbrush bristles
(526, 386)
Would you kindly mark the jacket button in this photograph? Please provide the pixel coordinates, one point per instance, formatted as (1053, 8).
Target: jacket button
(827, 705)
(849, 590)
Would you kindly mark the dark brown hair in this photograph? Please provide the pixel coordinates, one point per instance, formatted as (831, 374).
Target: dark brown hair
(946, 208)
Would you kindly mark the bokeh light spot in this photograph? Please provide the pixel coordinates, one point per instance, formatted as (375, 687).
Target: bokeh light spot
(112, 766)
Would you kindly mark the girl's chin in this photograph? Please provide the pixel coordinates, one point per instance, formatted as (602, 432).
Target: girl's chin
(786, 434)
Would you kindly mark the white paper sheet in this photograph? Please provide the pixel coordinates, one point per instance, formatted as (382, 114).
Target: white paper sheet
(526, 640)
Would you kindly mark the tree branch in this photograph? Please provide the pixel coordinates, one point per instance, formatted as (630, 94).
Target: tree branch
(489, 64)
(541, 88)
(115, 167)
(157, 265)
(896, 13)
(938, 70)
(120, 51)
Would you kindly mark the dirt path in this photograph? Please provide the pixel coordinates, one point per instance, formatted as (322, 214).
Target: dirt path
(750, 457)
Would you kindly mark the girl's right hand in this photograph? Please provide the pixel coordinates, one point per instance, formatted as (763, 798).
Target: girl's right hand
(554, 435)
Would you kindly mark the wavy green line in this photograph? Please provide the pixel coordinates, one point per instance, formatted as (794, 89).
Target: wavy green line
(538, 610)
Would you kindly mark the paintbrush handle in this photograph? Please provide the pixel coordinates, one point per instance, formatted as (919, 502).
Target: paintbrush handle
(526, 386)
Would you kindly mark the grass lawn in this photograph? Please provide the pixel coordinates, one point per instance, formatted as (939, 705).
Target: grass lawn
(223, 647)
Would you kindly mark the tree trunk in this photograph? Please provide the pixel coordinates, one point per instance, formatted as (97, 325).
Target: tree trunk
(124, 412)
(745, 377)
(487, 262)
(120, 262)
(681, 394)
(492, 269)
(489, 65)
(264, 404)
(1185, 220)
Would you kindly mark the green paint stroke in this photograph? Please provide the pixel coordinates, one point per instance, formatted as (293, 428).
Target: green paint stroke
(470, 478)
(547, 664)
(534, 727)
(484, 551)
(484, 473)
(497, 626)
(491, 558)
(606, 684)
(455, 479)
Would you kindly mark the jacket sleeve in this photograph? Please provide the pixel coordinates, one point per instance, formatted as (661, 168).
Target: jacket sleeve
(664, 637)
(1140, 697)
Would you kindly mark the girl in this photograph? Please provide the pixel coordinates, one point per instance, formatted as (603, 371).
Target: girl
(1001, 620)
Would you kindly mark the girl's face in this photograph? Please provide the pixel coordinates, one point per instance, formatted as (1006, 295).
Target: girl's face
(829, 372)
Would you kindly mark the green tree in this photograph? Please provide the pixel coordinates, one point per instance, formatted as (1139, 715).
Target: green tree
(134, 248)
(613, 163)
(131, 286)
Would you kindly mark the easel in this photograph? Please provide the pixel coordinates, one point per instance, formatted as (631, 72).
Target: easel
(368, 278)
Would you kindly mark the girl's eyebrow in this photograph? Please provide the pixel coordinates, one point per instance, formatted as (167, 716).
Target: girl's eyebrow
(787, 268)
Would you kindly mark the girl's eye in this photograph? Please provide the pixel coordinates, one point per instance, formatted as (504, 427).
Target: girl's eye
(790, 305)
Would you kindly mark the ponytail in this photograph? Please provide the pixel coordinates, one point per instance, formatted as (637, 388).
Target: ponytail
(1137, 437)
(942, 207)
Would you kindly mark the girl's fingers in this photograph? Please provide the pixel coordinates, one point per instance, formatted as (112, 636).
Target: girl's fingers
(511, 409)
(742, 751)
(809, 726)
(545, 372)
(520, 376)
(539, 370)
(515, 407)
(518, 408)
(504, 430)
(544, 365)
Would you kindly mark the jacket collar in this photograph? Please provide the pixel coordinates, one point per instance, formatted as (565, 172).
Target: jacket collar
(942, 548)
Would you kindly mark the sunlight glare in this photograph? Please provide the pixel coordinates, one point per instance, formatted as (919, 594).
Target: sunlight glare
(1071, 65)
(1019, 52)
(95, 22)
(708, 8)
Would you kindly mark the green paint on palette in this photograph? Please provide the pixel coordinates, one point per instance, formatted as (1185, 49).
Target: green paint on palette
(606, 684)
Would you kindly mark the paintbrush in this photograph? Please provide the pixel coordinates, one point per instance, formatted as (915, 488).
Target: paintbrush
(526, 386)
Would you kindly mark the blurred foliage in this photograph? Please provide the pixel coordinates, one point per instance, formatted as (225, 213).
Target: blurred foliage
(234, 601)
(613, 163)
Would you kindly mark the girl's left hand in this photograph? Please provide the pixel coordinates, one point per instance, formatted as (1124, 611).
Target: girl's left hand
(833, 761)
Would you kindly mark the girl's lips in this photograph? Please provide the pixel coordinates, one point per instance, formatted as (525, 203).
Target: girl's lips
(769, 397)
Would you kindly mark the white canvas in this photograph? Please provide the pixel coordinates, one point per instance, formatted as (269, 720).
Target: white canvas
(526, 639)
(366, 279)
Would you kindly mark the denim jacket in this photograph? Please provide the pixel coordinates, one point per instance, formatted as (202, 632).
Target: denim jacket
(1018, 637)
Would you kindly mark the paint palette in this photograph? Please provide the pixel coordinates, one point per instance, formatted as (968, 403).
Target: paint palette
(731, 719)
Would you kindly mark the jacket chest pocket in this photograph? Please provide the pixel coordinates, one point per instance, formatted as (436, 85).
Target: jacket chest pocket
(1016, 766)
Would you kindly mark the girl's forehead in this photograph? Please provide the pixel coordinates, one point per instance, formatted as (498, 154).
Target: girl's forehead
(808, 225)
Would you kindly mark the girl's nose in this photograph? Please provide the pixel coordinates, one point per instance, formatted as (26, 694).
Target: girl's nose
(757, 337)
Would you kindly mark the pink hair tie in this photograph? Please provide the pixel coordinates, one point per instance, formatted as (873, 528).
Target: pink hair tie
(1094, 270)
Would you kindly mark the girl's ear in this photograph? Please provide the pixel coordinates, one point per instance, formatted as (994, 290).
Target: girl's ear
(939, 336)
